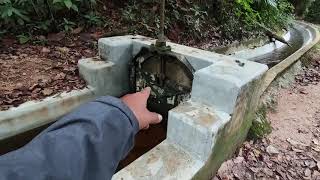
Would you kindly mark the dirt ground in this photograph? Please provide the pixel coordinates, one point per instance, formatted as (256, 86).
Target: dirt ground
(292, 150)
(35, 71)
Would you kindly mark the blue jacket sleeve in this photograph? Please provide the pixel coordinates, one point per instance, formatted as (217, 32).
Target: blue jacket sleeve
(87, 144)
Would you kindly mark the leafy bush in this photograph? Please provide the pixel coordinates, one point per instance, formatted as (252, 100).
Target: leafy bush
(42, 15)
(313, 14)
(270, 13)
(144, 16)
(185, 19)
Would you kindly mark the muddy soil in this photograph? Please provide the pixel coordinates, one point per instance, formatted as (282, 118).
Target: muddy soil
(292, 150)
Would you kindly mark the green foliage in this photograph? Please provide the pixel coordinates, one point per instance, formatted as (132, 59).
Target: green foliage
(260, 126)
(93, 19)
(67, 25)
(12, 11)
(144, 16)
(194, 19)
(22, 38)
(45, 15)
(313, 14)
(270, 13)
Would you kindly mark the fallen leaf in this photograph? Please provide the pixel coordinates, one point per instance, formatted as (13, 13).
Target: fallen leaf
(272, 150)
(297, 150)
(295, 143)
(307, 172)
(36, 90)
(47, 92)
(316, 175)
(316, 149)
(64, 50)
(316, 141)
(33, 87)
(60, 76)
(238, 160)
(45, 50)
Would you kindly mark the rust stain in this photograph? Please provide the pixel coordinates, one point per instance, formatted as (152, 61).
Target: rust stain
(206, 119)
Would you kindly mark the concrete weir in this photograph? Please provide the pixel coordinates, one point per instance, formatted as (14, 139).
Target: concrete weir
(201, 133)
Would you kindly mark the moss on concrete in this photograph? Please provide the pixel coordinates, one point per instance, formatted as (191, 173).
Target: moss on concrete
(260, 126)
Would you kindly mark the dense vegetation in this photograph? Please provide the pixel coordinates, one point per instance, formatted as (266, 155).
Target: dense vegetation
(313, 14)
(193, 19)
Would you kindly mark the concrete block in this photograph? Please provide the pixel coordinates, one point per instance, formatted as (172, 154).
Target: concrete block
(220, 84)
(194, 127)
(104, 76)
(116, 49)
(34, 114)
(166, 161)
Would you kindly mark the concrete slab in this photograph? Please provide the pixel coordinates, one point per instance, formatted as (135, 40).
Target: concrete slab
(34, 114)
(220, 84)
(108, 78)
(194, 127)
(166, 161)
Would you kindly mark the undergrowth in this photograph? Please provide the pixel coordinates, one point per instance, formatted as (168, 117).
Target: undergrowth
(185, 19)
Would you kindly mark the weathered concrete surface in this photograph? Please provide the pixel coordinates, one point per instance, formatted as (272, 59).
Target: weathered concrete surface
(243, 45)
(194, 127)
(220, 94)
(224, 96)
(31, 115)
(165, 161)
(105, 76)
(234, 132)
(249, 53)
(220, 84)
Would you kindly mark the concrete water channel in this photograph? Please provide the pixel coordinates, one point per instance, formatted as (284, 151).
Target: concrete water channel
(199, 133)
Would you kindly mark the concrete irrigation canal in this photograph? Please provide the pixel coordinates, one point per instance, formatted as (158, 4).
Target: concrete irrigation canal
(209, 99)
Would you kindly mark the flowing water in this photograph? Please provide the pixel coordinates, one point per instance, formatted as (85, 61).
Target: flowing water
(274, 57)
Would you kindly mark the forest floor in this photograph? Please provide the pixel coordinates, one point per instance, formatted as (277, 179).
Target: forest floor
(292, 150)
(35, 71)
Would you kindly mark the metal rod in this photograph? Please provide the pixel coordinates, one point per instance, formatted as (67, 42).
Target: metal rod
(161, 39)
(162, 20)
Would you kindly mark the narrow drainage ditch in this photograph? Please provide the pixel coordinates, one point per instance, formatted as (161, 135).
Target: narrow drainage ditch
(276, 56)
(170, 79)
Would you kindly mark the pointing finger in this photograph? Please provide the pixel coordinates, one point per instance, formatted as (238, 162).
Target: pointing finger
(154, 118)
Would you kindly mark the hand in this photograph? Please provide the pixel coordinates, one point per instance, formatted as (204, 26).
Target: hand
(137, 102)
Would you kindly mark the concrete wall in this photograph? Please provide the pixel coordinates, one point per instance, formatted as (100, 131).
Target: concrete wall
(217, 112)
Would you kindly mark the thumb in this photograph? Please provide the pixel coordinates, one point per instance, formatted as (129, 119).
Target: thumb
(154, 118)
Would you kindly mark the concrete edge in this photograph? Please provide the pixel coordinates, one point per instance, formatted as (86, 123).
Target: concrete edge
(34, 114)
(283, 65)
(165, 161)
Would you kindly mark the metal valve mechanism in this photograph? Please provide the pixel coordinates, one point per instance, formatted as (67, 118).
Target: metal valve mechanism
(169, 76)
